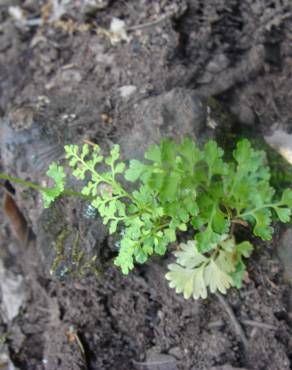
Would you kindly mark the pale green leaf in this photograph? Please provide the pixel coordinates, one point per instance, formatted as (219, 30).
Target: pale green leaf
(217, 279)
(188, 255)
(84, 151)
(113, 226)
(115, 152)
(181, 279)
(57, 173)
(120, 167)
(199, 284)
(135, 170)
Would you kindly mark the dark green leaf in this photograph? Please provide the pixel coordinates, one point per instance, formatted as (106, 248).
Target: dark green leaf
(170, 187)
(283, 213)
(287, 198)
(207, 240)
(220, 222)
(244, 249)
(190, 152)
(262, 227)
(213, 155)
(238, 274)
(168, 151)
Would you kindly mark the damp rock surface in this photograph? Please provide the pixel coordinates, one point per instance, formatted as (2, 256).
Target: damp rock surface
(65, 78)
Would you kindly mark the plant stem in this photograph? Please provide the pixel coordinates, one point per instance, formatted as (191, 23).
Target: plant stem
(27, 184)
(71, 193)
(35, 186)
(115, 186)
(257, 209)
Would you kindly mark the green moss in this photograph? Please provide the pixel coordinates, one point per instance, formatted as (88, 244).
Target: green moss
(53, 219)
(60, 249)
(72, 261)
(80, 263)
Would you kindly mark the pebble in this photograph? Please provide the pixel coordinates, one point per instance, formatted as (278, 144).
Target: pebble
(127, 91)
(281, 141)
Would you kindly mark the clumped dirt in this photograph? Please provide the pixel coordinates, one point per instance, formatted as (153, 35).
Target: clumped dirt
(61, 83)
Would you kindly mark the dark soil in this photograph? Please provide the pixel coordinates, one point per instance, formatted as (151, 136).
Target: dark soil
(60, 84)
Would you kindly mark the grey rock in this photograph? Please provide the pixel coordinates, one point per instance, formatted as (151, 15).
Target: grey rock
(218, 64)
(60, 243)
(177, 352)
(206, 78)
(281, 141)
(71, 75)
(175, 114)
(127, 91)
(5, 361)
(12, 292)
(25, 150)
(285, 254)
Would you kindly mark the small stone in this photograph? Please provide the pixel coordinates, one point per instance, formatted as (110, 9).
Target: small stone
(218, 64)
(71, 75)
(174, 114)
(177, 352)
(281, 141)
(16, 13)
(13, 294)
(90, 7)
(206, 78)
(22, 117)
(118, 31)
(127, 90)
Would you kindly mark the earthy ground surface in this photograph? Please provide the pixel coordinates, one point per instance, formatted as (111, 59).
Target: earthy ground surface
(184, 68)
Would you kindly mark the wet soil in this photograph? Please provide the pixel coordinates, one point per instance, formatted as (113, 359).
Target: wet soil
(61, 83)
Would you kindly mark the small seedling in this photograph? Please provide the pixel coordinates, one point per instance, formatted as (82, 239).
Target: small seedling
(180, 187)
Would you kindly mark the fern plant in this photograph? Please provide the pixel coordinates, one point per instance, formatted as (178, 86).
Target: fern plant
(180, 187)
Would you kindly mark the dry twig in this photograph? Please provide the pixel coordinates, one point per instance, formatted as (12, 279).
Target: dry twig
(152, 23)
(238, 328)
(258, 324)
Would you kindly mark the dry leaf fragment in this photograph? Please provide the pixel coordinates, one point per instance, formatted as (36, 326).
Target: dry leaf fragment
(16, 219)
